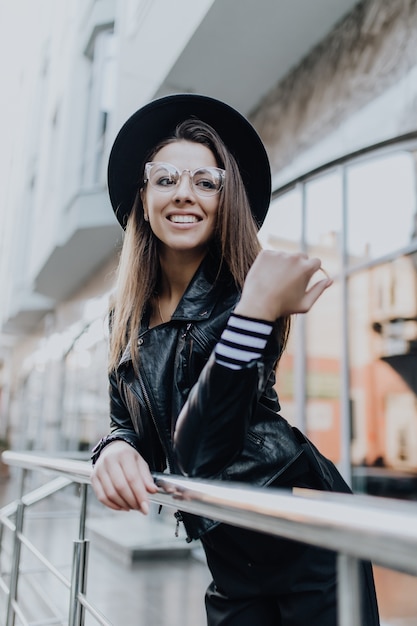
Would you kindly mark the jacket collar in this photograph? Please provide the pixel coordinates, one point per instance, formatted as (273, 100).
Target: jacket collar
(201, 295)
(199, 299)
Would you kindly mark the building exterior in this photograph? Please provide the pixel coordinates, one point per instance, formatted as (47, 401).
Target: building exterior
(331, 87)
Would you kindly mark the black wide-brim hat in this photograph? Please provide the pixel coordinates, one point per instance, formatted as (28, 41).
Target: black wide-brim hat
(157, 120)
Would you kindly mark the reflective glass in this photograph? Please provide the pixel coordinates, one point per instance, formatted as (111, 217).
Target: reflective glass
(381, 206)
(85, 394)
(282, 230)
(383, 374)
(282, 227)
(323, 324)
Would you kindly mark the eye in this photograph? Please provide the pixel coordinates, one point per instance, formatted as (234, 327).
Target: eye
(164, 181)
(205, 183)
(206, 180)
(163, 176)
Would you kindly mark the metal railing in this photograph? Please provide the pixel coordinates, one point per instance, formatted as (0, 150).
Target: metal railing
(355, 526)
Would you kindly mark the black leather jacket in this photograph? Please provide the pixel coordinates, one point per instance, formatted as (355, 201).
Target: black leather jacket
(230, 427)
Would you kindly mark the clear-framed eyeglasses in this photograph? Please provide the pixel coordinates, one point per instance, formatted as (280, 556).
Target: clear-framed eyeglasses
(205, 181)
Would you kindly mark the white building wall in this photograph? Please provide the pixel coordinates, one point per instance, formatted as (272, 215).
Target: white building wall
(53, 161)
(150, 35)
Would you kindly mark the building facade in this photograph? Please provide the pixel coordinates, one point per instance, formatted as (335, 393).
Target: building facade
(332, 89)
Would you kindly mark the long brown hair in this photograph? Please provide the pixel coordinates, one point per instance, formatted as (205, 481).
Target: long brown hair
(235, 238)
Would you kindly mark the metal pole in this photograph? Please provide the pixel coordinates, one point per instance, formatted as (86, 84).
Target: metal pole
(1, 546)
(345, 430)
(78, 582)
(83, 511)
(349, 596)
(14, 576)
(79, 566)
(300, 369)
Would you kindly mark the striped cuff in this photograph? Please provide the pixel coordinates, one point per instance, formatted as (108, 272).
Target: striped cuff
(243, 340)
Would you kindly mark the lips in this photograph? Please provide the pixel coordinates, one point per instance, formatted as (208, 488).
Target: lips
(183, 219)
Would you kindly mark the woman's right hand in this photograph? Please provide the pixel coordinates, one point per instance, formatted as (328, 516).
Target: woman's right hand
(121, 478)
(278, 285)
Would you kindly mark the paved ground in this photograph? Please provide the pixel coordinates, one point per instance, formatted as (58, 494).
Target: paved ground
(153, 591)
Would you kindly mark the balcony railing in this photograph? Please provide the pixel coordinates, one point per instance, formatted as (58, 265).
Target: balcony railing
(355, 526)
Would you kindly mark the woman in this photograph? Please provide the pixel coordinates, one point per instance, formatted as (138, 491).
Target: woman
(199, 321)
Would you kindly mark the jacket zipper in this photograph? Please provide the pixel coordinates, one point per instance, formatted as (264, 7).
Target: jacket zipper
(186, 331)
(149, 407)
(198, 336)
(178, 515)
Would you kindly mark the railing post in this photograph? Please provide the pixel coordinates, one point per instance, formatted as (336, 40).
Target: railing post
(83, 511)
(79, 567)
(14, 575)
(78, 582)
(1, 546)
(349, 596)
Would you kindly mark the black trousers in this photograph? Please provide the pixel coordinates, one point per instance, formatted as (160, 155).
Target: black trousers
(261, 580)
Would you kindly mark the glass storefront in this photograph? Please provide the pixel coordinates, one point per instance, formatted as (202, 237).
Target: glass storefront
(323, 334)
(349, 376)
(380, 206)
(62, 398)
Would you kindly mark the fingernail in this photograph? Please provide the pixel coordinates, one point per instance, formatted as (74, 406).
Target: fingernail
(144, 507)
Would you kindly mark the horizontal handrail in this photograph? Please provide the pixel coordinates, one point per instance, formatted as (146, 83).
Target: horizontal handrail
(367, 527)
(77, 471)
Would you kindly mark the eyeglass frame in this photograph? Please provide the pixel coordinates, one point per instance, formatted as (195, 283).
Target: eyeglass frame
(191, 173)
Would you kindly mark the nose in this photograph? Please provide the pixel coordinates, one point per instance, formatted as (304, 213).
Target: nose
(184, 191)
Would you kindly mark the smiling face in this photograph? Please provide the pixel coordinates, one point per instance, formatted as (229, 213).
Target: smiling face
(181, 219)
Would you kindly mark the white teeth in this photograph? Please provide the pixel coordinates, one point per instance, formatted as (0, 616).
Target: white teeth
(183, 219)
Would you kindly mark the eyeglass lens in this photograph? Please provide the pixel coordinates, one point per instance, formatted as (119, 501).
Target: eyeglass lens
(206, 181)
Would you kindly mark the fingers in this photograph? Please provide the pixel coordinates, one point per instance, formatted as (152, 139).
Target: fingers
(310, 267)
(108, 487)
(307, 296)
(321, 269)
(314, 293)
(278, 284)
(121, 478)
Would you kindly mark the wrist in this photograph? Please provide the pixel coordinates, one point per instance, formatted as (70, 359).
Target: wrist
(255, 311)
(105, 441)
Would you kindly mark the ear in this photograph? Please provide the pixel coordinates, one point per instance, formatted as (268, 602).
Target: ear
(145, 211)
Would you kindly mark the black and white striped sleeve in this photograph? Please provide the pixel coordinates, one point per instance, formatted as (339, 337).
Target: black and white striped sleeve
(243, 340)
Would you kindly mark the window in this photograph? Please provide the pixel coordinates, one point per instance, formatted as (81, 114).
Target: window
(323, 324)
(351, 363)
(381, 206)
(101, 102)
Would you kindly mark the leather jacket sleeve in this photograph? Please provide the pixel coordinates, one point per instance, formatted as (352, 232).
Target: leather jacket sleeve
(121, 425)
(140, 436)
(213, 425)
